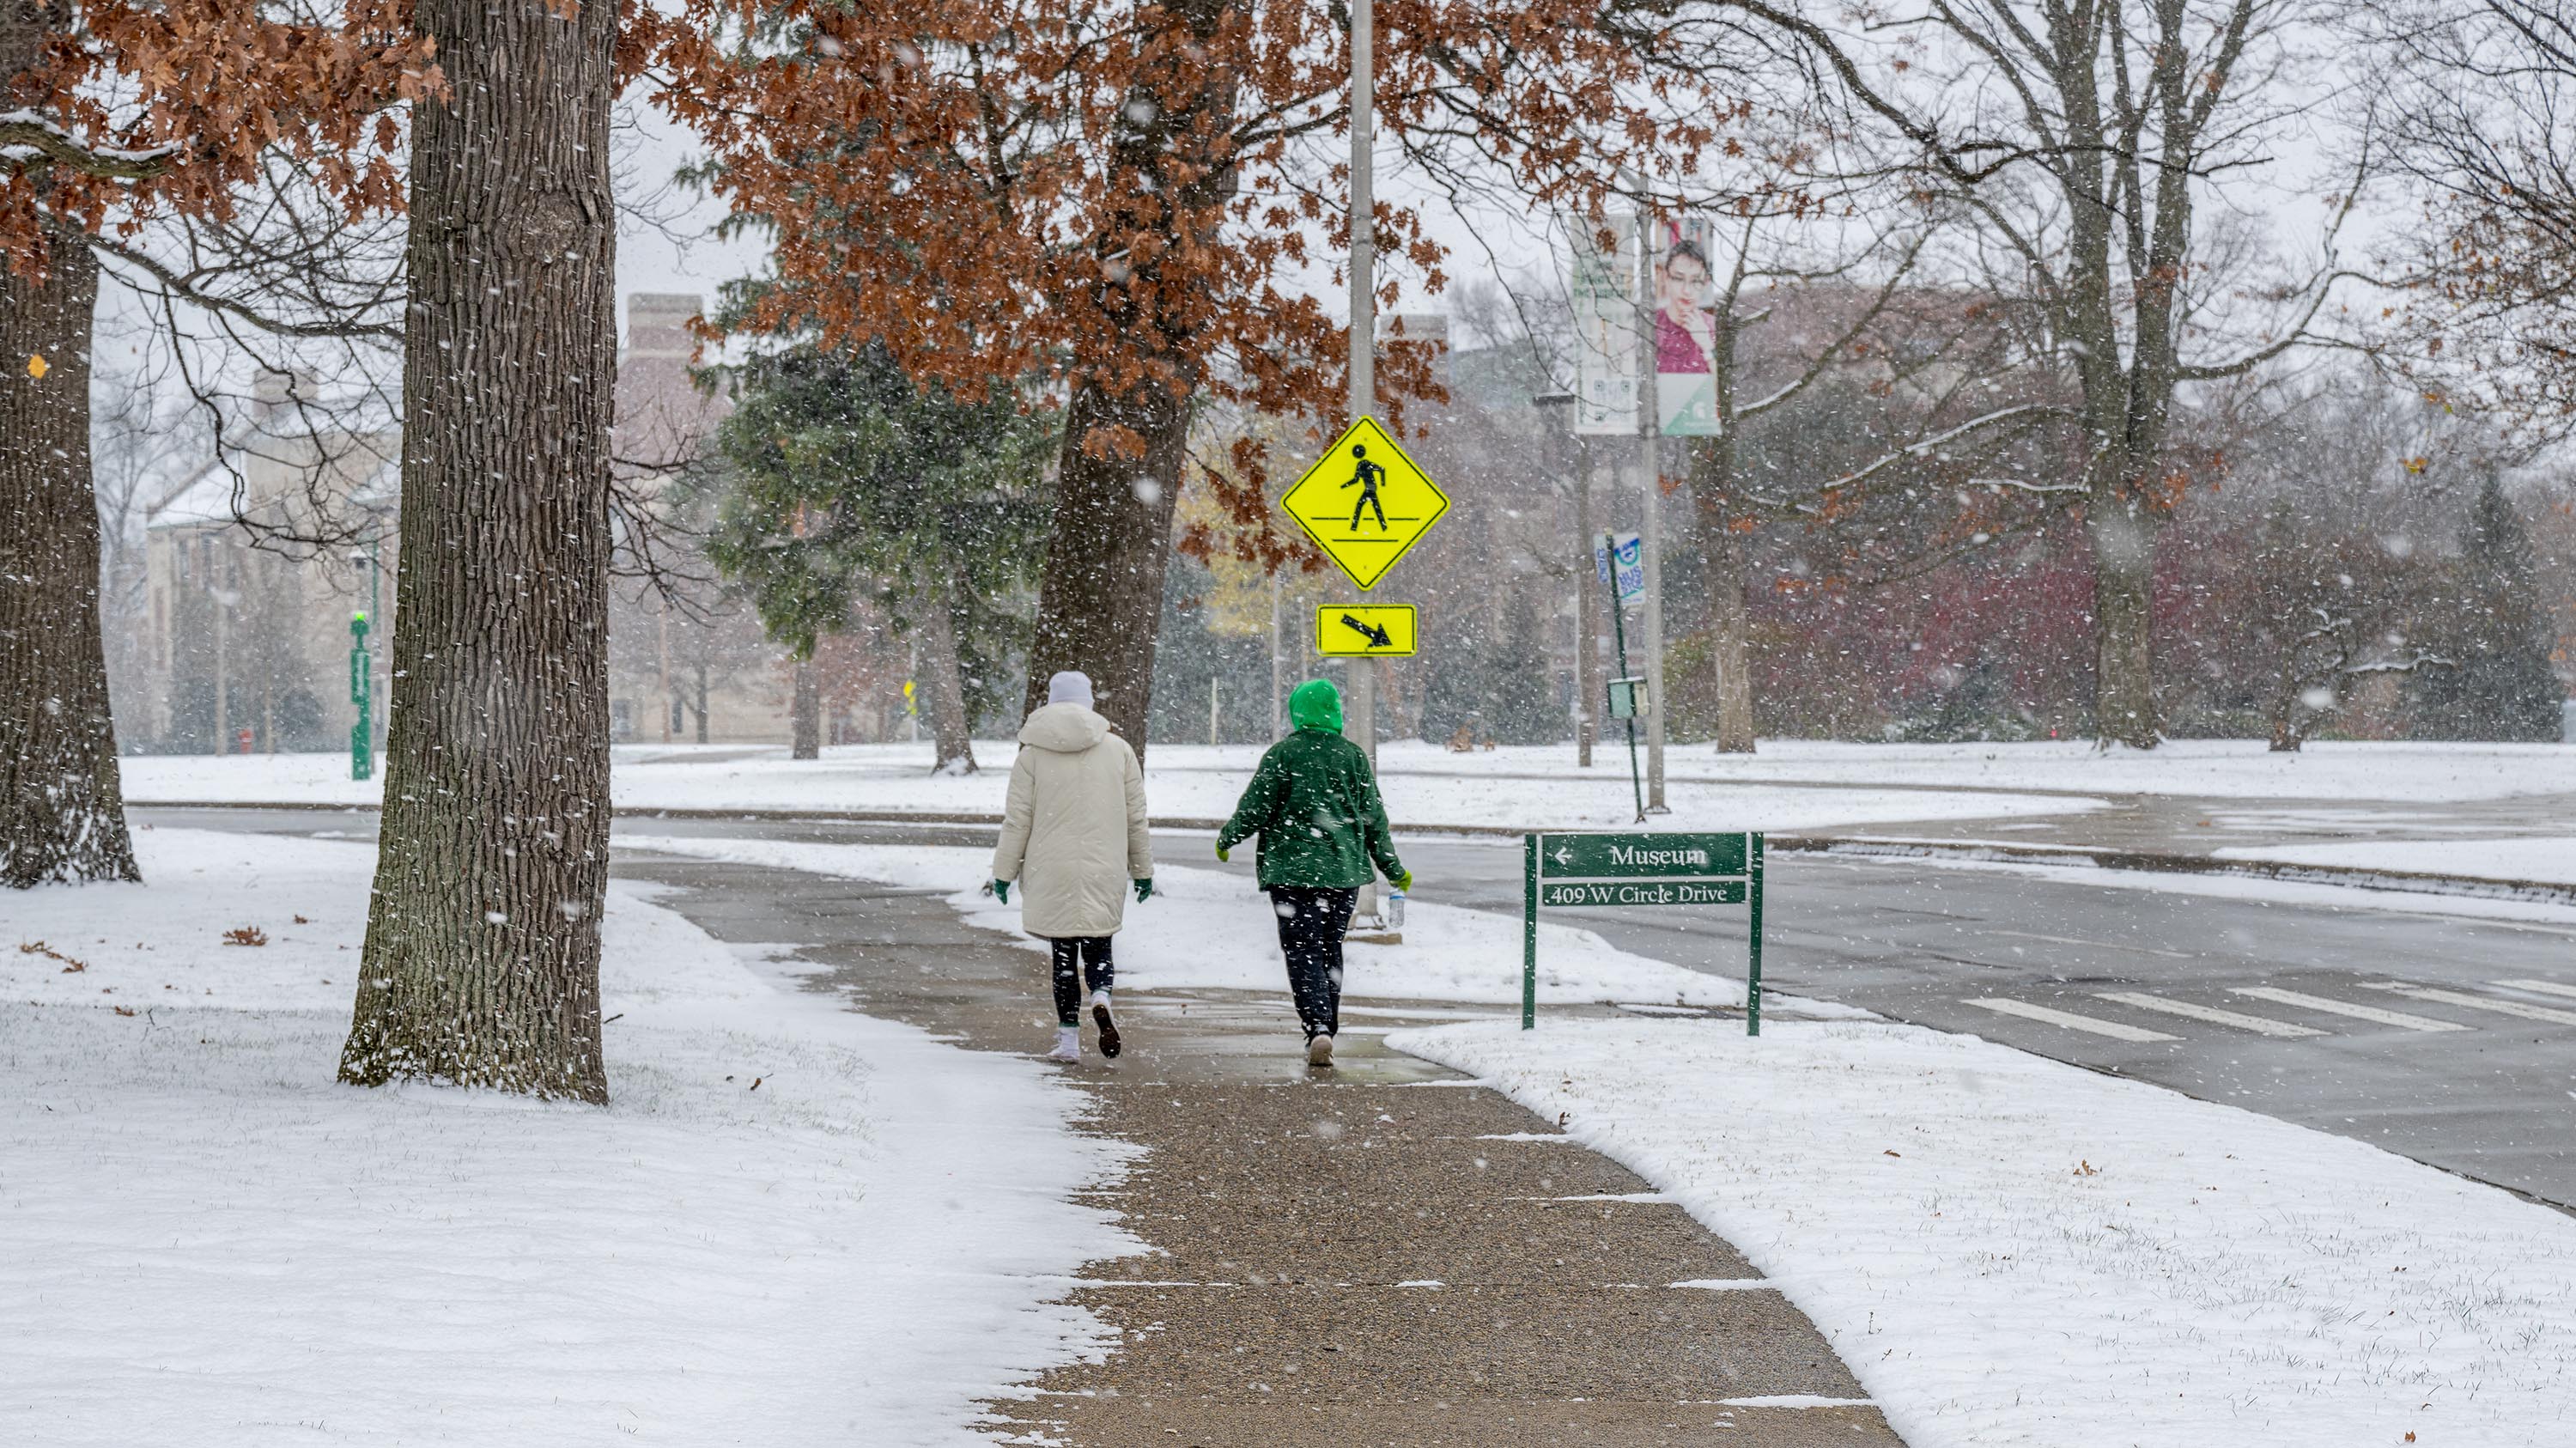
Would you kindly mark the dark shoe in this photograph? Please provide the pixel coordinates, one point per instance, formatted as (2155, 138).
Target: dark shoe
(1108, 1026)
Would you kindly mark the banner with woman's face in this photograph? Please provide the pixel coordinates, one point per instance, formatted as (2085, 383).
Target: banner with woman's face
(1685, 327)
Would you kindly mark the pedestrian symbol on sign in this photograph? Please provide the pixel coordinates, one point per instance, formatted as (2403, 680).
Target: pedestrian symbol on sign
(1366, 477)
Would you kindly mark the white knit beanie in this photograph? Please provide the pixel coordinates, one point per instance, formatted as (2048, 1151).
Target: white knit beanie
(1070, 687)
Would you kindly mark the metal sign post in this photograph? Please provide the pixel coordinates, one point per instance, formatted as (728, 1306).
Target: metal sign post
(1622, 871)
(1624, 705)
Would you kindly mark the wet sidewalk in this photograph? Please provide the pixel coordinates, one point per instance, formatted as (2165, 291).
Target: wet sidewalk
(1381, 1253)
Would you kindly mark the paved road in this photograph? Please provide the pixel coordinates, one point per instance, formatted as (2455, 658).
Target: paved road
(2490, 1099)
(2456, 1082)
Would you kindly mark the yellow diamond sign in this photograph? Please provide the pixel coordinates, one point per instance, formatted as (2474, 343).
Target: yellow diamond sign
(1365, 503)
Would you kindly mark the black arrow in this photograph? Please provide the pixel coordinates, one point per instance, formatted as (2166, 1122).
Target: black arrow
(1377, 637)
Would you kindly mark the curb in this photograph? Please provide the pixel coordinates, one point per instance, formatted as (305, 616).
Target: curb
(2476, 887)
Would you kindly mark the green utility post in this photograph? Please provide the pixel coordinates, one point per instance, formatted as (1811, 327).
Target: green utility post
(1753, 951)
(1529, 932)
(362, 736)
(1623, 689)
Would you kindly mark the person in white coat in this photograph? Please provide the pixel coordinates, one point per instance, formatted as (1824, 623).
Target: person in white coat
(1074, 841)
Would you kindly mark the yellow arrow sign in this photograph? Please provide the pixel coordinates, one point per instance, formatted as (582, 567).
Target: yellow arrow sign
(1364, 630)
(1365, 503)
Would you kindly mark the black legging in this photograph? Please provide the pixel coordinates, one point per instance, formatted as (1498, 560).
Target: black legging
(1311, 924)
(1093, 954)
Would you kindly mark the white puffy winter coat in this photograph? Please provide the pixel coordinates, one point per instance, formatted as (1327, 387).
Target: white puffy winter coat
(1073, 830)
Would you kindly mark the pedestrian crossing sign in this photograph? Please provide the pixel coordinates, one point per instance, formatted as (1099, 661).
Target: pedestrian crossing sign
(1365, 503)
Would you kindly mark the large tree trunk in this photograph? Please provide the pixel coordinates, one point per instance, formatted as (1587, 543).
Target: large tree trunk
(805, 713)
(2124, 555)
(951, 732)
(1723, 558)
(1101, 597)
(482, 953)
(62, 809)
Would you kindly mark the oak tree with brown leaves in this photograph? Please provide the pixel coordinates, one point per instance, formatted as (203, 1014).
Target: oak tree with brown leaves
(1120, 201)
(116, 113)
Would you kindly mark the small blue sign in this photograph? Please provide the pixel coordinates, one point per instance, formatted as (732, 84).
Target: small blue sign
(1631, 565)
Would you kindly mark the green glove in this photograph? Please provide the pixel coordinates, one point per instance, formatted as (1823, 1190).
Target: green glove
(1002, 891)
(1144, 890)
(1220, 854)
(1406, 883)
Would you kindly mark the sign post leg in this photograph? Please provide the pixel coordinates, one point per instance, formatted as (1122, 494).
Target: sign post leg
(1529, 932)
(1753, 939)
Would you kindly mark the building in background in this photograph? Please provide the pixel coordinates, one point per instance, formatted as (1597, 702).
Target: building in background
(244, 644)
(243, 637)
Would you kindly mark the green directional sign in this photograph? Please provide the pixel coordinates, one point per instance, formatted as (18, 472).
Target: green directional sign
(1643, 855)
(1623, 871)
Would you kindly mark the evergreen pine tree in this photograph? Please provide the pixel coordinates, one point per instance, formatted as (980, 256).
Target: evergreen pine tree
(1456, 684)
(1524, 707)
(2502, 687)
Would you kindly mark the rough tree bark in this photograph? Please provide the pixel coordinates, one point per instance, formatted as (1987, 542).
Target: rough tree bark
(2124, 562)
(952, 734)
(62, 808)
(482, 951)
(805, 713)
(1101, 596)
(1722, 558)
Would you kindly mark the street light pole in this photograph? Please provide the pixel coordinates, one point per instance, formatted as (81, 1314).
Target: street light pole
(1361, 726)
(1650, 527)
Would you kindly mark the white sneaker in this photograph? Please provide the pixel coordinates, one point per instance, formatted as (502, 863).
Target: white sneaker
(1108, 1024)
(1068, 1044)
(1319, 1051)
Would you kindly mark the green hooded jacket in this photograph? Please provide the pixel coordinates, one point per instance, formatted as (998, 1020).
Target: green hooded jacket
(1314, 802)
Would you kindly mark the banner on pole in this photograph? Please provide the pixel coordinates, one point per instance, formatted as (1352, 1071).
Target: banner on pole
(1620, 561)
(1604, 293)
(1685, 326)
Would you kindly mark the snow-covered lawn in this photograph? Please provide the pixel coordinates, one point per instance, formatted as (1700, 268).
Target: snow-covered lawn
(1424, 787)
(1210, 929)
(2008, 1250)
(2548, 859)
(1789, 786)
(205, 1240)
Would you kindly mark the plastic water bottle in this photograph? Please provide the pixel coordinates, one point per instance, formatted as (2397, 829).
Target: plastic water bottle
(1394, 909)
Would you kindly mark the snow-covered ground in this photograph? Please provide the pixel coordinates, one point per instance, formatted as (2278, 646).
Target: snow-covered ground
(2008, 1250)
(1210, 929)
(1789, 786)
(1424, 787)
(2547, 859)
(793, 1224)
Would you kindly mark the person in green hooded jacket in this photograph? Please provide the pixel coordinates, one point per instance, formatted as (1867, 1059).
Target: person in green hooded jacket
(1323, 830)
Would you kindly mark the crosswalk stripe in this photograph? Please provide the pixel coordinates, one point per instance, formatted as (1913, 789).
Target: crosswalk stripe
(2260, 1025)
(2072, 1021)
(2545, 987)
(2347, 1008)
(2482, 1003)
